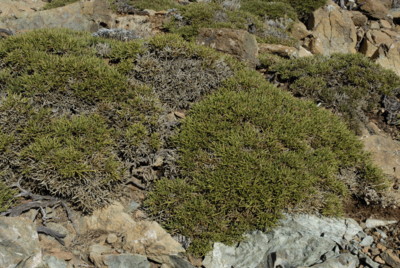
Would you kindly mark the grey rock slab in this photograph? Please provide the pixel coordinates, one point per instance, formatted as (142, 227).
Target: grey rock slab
(178, 262)
(367, 241)
(301, 239)
(19, 243)
(345, 260)
(53, 262)
(126, 261)
(373, 223)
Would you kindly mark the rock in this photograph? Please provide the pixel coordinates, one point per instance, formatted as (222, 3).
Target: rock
(111, 238)
(359, 19)
(367, 241)
(379, 260)
(380, 37)
(126, 261)
(391, 259)
(299, 30)
(374, 25)
(333, 31)
(300, 240)
(19, 243)
(385, 154)
(385, 24)
(304, 53)
(389, 58)
(368, 48)
(345, 260)
(96, 253)
(394, 13)
(281, 50)
(235, 42)
(12, 8)
(179, 262)
(368, 261)
(373, 223)
(373, 8)
(142, 237)
(53, 262)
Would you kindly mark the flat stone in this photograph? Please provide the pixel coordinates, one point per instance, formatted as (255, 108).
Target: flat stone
(126, 261)
(19, 243)
(373, 223)
(367, 241)
(345, 260)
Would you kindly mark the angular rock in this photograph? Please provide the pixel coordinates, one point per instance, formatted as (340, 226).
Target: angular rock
(358, 18)
(333, 30)
(281, 50)
(345, 260)
(391, 259)
(373, 223)
(53, 262)
(368, 48)
(235, 42)
(304, 52)
(19, 243)
(395, 13)
(380, 37)
(300, 240)
(96, 253)
(126, 261)
(373, 8)
(299, 31)
(385, 24)
(179, 262)
(367, 241)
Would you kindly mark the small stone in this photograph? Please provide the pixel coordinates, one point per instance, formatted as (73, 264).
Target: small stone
(382, 233)
(374, 25)
(126, 261)
(381, 247)
(391, 259)
(179, 114)
(53, 262)
(112, 238)
(367, 241)
(375, 251)
(373, 223)
(366, 249)
(378, 259)
(385, 24)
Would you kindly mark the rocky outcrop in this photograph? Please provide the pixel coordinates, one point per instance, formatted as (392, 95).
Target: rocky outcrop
(89, 15)
(377, 9)
(333, 31)
(19, 243)
(235, 42)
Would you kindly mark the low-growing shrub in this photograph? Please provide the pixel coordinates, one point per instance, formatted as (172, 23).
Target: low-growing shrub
(79, 116)
(351, 85)
(269, 9)
(249, 152)
(58, 3)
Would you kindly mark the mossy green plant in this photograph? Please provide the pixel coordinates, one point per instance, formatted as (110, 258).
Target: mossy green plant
(58, 3)
(269, 9)
(153, 4)
(250, 151)
(351, 85)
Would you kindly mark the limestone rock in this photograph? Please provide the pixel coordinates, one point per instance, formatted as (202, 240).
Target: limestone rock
(358, 18)
(373, 223)
(300, 240)
(235, 42)
(345, 260)
(19, 243)
(333, 31)
(281, 50)
(374, 8)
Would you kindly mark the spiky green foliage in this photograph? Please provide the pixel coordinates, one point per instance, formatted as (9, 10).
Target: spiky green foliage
(58, 3)
(6, 197)
(75, 124)
(269, 9)
(350, 85)
(250, 151)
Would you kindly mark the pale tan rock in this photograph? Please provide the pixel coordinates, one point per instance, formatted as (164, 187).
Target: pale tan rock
(394, 13)
(304, 52)
(96, 253)
(299, 30)
(373, 8)
(112, 238)
(281, 50)
(378, 259)
(380, 37)
(333, 31)
(238, 43)
(393, 34)
(389, 58)
(385, 152)
(385, 24)
(16, 9)
(390, 258)
(358, 18)
(374, 25)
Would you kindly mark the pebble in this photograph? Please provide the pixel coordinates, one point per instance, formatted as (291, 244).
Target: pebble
(367, 241)
(378, 259)
(111, 239)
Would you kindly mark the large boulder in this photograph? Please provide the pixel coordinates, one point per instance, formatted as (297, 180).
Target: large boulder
(301, 240)
(377, 9)
(238, 43)
(333, 31)
(17, 8)
(389, 57)
(19, 243)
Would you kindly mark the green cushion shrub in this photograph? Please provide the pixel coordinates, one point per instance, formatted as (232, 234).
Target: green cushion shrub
(269, 9)
(349, 84)
(58, 3)
(249, 152)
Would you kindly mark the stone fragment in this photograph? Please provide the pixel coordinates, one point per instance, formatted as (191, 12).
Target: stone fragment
(373, 8)
(345, 260)
(112, 238)
(374, 25)
(379, 260)
(373, 223)
(367, 241)
(304, 52)
(299, 30)
(359, 19)
(19, 243)
(126, 261)
(385, 24)
(391, 259)
(281, 50)
(380, 37)
(239, 43)
(96, 253)
(53, 262)
(333, 30)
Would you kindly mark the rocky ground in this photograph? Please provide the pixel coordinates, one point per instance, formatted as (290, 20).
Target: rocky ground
(121, 235)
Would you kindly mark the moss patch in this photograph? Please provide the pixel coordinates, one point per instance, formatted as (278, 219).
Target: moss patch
(58, 3)
(250, 151)
(350, 85)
